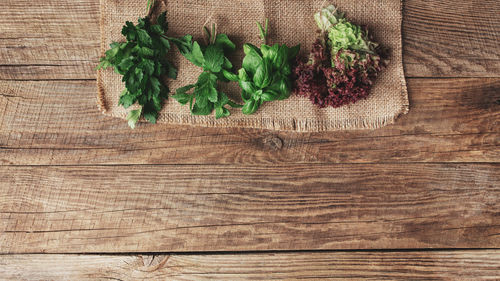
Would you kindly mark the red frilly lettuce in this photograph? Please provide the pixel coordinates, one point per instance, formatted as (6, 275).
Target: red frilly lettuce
(342, 66)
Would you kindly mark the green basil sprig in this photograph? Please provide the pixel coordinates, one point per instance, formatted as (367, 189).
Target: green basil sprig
(265, 73)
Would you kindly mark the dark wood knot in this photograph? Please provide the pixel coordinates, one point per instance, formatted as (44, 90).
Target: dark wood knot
(273, 142)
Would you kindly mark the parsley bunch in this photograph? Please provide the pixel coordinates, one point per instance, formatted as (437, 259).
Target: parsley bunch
(205, 98)
(142, 62)
(265, 75)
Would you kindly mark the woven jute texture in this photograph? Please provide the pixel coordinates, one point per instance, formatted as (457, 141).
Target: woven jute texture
(291, 22)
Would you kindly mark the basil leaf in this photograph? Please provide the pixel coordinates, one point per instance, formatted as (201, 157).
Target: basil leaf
(285, 89)
(248, 87)
(281, 57)
(257, 95)
(262, 77)
(227, 64)
(252, 59)
(242, 75)
(251, 107)
(271, 52)
(270, 95)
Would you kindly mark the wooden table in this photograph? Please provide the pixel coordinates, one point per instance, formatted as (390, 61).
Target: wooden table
(419, 199)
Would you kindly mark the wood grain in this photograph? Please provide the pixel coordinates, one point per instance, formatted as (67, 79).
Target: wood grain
(451, 38)
(57, 122)
(456, 265)
(105, 209)
(59, 39)
(49, 39)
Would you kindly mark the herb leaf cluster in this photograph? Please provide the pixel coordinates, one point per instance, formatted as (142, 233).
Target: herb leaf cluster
(142, 62)
(205, 97)
(265, 73)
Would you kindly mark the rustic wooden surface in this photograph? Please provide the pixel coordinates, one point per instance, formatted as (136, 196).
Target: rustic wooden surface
(75, 181)
(455, 265)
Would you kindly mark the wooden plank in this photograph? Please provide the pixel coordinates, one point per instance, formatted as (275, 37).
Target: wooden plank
(451, 38)
(59, 39)
(455, 265)
(49, 39)
(57, 122)
(107, 209)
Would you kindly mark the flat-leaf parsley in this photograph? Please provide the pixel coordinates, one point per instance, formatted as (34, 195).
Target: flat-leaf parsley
(142, 62)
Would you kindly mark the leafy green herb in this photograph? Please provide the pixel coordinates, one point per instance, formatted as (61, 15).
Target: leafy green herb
(142, 62)
(265, 75)
(205, 98)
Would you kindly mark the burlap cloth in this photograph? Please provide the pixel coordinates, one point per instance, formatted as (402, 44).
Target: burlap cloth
(291, 22)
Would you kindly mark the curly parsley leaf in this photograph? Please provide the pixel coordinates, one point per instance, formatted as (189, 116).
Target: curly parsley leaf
(141, 60)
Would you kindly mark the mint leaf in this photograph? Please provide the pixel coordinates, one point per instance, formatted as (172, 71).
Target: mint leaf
(223, 42)
(230, 76)
(215, 66)
(221, 112)
(185, 89)
(206, 86)
(197, 55)
(182, 98)
(202, 110)
(214, 58)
